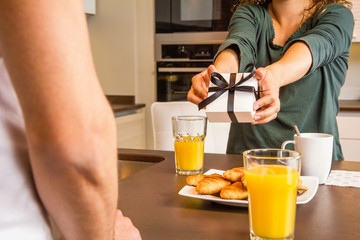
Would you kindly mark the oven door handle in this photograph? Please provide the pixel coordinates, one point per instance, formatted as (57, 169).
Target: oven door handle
(175, 69)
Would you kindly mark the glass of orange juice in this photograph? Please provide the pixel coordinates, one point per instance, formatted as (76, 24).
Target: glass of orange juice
(272, 177)
(189, 135)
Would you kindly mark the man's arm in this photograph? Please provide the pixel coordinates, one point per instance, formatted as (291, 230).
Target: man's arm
(69, 124)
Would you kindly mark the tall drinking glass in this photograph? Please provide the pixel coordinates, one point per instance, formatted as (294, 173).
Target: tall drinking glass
(272, 177)
(189, 134)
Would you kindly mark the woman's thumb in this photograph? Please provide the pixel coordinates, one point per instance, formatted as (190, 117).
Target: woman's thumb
(260, 74)
(211, 69)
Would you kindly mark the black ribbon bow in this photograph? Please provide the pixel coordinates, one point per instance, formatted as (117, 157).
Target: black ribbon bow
(222, 86)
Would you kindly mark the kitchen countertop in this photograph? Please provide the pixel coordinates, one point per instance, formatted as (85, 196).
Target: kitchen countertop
(150, 198)
(123, 105)
(349, 105)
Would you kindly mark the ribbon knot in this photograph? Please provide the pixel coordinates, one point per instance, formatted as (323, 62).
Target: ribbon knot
(222, 86)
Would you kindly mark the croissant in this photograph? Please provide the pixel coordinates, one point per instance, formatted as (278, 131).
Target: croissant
(212, 185)
(214, 175)
(243, 181)
(234, 175)
(234, 191)
(195, 179)
(301, 188)
(215, 183)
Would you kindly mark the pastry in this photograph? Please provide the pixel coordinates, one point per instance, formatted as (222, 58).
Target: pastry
(234, 191)
(195, 179)
(214, 175)
(212, 185)
(234, 175)
(215, 183)
(301, 188)
(243, 181)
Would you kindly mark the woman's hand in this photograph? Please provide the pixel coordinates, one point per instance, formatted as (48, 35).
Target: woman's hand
(270, 84)
(298, 58)
(124, 228)
(226, 62)
(200, 85)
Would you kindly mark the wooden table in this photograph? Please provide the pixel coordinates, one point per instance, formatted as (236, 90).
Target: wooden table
(150, 198)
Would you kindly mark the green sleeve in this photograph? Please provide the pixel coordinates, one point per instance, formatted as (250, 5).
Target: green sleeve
(242, 34)
(330, 35)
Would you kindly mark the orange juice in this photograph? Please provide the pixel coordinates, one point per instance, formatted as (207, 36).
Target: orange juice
(189, 153)
(272, 196)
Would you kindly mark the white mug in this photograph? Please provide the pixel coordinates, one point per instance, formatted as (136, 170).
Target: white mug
(316, 153)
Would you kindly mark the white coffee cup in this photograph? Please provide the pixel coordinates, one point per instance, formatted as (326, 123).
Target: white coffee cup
(316, 153)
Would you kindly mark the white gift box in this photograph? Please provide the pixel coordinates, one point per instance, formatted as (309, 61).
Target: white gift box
(217, 111)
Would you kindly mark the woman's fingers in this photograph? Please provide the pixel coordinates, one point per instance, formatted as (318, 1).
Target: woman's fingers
(266, 109)
(268, 105)
(266, 101)
(265, 120)
(193, 97)
(200, 85)
(266, 113)
(210, 70)
(198, 90)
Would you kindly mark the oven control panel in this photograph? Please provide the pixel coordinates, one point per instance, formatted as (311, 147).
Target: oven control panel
(189, 51)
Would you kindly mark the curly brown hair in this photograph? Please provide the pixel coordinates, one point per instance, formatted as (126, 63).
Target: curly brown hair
(315, 6)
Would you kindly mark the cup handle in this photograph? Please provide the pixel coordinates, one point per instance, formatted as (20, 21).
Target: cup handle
(283, 145)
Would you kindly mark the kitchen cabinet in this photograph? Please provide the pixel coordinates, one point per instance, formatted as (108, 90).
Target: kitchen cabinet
(349, 134)
(89, 6)
(356, 12)
(131, 130)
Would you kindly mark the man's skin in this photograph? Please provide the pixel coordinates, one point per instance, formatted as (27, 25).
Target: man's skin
(69, 125)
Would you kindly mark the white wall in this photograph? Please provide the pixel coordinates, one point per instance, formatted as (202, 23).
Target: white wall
(122, 34)
(112, 35)
(145, 86)
(351, 88)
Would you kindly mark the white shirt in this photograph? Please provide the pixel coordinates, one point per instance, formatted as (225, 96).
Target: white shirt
(22, 216)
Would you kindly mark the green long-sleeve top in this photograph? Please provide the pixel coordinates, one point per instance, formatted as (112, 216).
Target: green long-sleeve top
(311, 102)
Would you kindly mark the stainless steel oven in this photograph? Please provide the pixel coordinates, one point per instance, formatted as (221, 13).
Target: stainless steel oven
(188, 34)
(192, 15)
(174, 79)
(179, 57)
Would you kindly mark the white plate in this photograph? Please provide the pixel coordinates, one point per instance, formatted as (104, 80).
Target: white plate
(311, 182)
